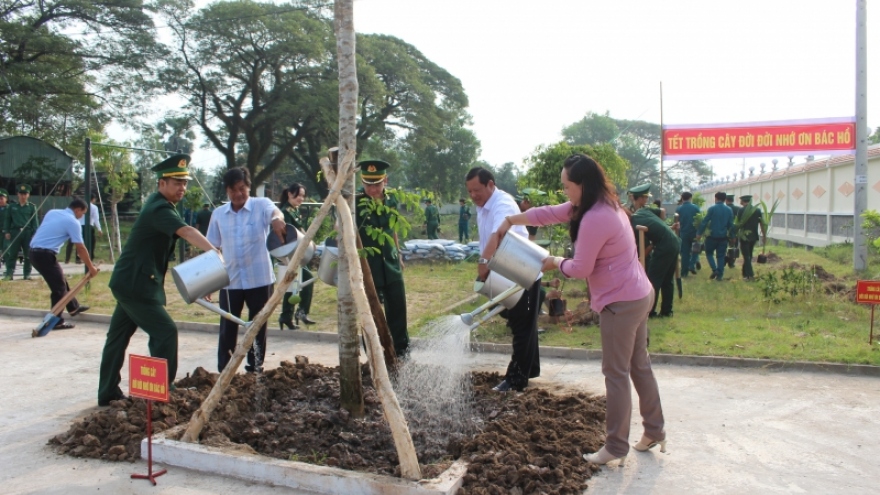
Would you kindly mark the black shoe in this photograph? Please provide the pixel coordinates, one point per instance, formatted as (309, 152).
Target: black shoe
(301, 315)
(251, 369)
(63, 326)
(693, 272)
(106, 402)
(79, 309)
(653, 314)
(282, 323)
(712, 277)
(666, 315)
(699, 266)
(504, 386)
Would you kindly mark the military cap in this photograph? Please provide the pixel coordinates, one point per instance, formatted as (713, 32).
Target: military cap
(642, 190)
(747, 198)
(427, 200)
(3, 192)
(518, 198)
(373, 171)
(23, 188)
(173, 167)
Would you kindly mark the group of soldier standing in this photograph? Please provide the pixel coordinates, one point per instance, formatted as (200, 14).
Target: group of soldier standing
(723, 226)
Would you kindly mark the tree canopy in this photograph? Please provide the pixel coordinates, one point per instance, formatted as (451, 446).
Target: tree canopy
(545, 164)
(67, 66)
(638, 142)
(260, 80)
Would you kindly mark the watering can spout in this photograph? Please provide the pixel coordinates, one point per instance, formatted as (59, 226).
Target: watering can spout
(467, 318)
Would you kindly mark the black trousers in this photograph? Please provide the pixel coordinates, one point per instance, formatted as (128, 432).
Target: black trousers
(233, 301)
(46, 263)
(525, 362)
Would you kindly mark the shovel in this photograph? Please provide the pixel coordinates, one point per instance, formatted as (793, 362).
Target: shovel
(53, 317)
(678, 276)
(642, 229)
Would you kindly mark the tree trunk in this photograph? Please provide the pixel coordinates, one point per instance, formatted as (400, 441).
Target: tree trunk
(406, 452)
(203, 414)
(114, 219)
(351, 392)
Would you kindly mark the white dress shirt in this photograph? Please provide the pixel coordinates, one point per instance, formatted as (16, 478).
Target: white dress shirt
(241, 236)
(94, 217)
(489, 217)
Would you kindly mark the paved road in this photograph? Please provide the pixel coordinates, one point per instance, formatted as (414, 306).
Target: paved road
(731, 431)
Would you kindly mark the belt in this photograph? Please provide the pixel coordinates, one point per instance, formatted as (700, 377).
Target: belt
(42, 250)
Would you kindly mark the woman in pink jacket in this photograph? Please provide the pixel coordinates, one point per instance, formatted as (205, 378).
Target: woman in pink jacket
(605, 254)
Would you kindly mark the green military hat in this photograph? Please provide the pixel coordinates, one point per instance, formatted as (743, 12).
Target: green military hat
(3, 192)
(373, 171)
(173, 167)
(23, 188)
(642, 190)
(428, 200)
(747, 198)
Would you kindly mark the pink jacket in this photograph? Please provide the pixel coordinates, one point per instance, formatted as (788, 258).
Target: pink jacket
(604, 253)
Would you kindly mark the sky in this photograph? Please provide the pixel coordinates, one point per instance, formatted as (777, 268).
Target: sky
(531, 68)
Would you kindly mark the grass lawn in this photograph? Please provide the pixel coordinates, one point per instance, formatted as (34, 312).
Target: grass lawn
(730, 318)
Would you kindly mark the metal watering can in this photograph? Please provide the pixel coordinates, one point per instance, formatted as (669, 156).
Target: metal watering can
(200, 276)
(500, 291)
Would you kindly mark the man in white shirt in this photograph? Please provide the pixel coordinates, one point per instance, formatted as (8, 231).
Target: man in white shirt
(493, 206)
(239, 228)
(95, 222)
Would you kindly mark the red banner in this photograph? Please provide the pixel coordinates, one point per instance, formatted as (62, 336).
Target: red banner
(148, 378)
(805, 137)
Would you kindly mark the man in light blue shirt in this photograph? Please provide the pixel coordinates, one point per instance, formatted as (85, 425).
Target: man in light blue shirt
(719, 219)
(58, 227)
(239, 228)
(687, 232)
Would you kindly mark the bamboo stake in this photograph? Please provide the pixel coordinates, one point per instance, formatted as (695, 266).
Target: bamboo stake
(642, 229)
(203, 414)
(409, 462)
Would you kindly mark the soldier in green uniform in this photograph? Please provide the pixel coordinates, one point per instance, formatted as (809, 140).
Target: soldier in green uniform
(664, 253)
(748, 219)
(18, 227)
(432, 219)
(387, 265)
(138, 278)
(4, 199)
(464, 216)
(728, 200)
(291, 199)
(203, 219)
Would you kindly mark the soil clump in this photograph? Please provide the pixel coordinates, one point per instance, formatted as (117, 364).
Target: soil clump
(529, 442)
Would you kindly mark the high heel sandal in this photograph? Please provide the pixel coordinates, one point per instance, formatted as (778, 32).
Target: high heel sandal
(603, 457)
(301, 315)
(646, 444)
(283, 322)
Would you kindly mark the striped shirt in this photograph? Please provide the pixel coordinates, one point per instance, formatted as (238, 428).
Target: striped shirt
(241, 236)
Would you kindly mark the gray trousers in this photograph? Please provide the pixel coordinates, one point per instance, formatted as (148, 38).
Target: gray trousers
(624, 328)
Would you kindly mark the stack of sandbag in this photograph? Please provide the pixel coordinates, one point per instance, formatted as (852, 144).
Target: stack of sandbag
(438, 249)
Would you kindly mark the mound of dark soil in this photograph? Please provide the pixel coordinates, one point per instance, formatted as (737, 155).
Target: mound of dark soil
(817, 270)
(528, 442)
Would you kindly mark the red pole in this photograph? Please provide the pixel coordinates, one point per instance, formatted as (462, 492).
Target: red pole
(871, 337)
(150, 474)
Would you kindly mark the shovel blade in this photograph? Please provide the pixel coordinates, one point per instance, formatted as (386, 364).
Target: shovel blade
(46, 326)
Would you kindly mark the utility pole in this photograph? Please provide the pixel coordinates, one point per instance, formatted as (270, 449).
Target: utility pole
(860, 248)
(87, 240)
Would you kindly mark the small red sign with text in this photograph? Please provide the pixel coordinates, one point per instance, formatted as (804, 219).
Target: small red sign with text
(868, 292)
(148, 378)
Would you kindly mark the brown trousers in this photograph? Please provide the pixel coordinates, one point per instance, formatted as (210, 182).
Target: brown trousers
(624, 327)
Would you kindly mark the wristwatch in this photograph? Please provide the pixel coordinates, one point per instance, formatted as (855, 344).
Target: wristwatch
(482, 261)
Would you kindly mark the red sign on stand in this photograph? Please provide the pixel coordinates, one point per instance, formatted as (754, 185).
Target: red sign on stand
(868, 292)
(148, 378)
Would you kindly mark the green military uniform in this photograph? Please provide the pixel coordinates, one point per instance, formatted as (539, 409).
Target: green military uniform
(736, 210)
(293, 217)
(3, 242)
(464, 215)
(664, 256)
(138, 281)
(385, 266)
(20, 224)
(203, 219)
(748, 219)
(432, 220)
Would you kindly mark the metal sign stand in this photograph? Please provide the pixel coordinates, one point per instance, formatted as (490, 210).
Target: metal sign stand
(150, 474)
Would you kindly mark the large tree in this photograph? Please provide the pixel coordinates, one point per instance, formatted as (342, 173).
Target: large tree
(638, 142)
(545, 165)
(261, 81)
(440, 169)
(67, 66)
